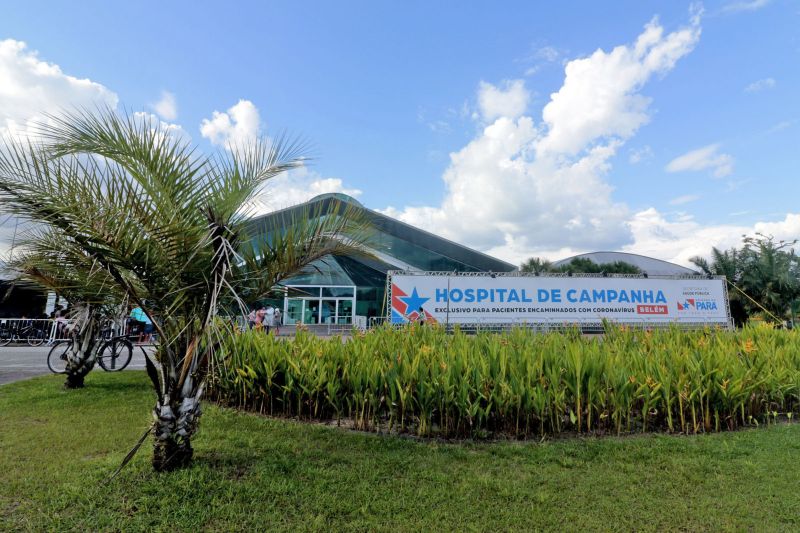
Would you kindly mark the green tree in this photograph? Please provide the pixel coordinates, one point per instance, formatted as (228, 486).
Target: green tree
(579, 265)
(765, 270)
(536, 265)
(770, 273)
(727, 263)
(168, 226)
(52, 261)
(583, 265)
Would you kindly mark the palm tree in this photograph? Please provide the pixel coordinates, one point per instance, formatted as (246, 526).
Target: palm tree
(169, 227)
(765, 275)
(770, 273)
(723, 263)
(727, 263)
(54, 262)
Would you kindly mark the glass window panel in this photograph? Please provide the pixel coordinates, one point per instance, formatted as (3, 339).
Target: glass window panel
(303, 292)
(294, 311)
(325, 271)
(337, 291)
(311, 312)
(328, 312)
(345, 312)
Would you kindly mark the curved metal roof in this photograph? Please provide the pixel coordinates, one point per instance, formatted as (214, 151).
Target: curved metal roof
(395, 243)
(649, 265)
(338, 196)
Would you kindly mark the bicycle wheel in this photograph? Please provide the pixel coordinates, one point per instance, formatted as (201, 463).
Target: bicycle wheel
(57, 357)
(36, 337)
(115, 354)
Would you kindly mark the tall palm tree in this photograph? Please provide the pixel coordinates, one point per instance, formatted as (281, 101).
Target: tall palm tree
(728, 263)
(723, 263)
(169, 227)
(766, 271)
(770, 273)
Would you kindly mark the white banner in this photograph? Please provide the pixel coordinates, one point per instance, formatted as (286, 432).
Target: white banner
(454, 299)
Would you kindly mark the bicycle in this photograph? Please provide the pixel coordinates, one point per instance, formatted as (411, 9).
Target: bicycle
(113, 355)
(18, 332)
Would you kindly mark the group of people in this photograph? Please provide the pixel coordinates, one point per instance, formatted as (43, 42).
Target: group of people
(265, 318)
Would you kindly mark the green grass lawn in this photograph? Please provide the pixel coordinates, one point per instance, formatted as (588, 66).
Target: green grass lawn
(58, 448)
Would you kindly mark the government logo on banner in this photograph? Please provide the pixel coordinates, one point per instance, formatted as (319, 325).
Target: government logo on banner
(405, 307)
(692, 304)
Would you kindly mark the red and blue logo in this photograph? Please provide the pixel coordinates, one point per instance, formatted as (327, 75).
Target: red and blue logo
(407, 308)
(692, 304)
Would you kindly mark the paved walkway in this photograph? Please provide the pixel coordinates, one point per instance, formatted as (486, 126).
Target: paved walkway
(23, 362)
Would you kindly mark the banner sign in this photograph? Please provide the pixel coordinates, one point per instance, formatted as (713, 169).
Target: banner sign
(499, 299)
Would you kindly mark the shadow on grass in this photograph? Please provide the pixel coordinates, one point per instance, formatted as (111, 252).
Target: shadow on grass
(118, 386)
(229, 465)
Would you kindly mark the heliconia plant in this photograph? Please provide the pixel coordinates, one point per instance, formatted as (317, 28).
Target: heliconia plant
(424, 380)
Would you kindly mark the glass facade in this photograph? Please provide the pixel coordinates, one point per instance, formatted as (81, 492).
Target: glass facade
(336, 290)
(319, 305)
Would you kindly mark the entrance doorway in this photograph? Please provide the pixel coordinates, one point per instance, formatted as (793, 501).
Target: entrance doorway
(319, 305)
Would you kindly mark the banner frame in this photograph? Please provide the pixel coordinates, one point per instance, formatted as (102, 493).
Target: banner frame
(561, 324)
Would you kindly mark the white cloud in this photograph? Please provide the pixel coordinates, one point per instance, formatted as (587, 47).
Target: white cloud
(684, 199)
(519, 189)
(242, 123)
(735, 185)
(239, 125)
(166, 107)
(439, 126)
(745, 5)
(599, 97)
(780, 126)
(541, 57)
(760, 85)
(641, 154)
(548, 53)
(510, 100)
(680, 240)
(162, 127)
(31, 88)
(703, 158)
(297, 186)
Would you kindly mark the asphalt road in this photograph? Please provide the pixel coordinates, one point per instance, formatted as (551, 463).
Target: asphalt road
(23, 362)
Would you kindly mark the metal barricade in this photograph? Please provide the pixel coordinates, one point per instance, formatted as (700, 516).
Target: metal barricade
(30, 331)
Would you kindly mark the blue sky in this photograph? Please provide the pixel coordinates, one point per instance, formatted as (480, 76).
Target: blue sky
(434, 111)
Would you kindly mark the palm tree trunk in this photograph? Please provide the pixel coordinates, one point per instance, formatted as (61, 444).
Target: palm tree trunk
(82, 354)
(176, 414)
(176, 423)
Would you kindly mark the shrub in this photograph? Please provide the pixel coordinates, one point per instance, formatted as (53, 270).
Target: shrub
(424, 380)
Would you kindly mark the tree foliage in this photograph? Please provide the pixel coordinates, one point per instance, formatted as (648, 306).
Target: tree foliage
(166, 227)
(765, 270)
(579, 265)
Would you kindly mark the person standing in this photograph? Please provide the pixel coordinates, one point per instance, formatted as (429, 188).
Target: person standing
(146, 330)
(260, 317)
(269, 318)
(251, 319)
(277, 317)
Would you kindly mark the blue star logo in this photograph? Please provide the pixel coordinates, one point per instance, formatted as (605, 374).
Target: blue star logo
(413, 302)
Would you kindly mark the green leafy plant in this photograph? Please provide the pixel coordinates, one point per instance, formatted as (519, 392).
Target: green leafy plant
(427, 381)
